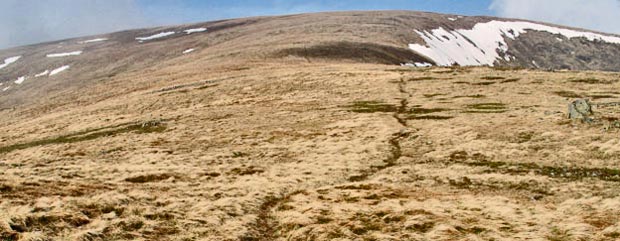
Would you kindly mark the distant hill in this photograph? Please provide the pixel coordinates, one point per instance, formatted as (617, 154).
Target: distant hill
(385, 37)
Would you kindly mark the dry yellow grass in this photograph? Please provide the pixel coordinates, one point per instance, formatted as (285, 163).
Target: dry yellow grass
(290, 150)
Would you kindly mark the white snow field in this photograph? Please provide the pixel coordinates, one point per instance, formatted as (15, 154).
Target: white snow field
(58, 70)
(10, 60)
(194, 30)
(188, 51)
(94, 40)
(483, 44)
(155, 36)
(20, 80)
(6, 88)
(58, 55)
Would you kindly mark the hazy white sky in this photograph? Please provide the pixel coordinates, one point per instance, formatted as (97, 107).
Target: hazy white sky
(602, 15)
(32, 21)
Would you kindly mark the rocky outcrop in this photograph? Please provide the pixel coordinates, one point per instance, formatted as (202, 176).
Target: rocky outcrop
(580, 109)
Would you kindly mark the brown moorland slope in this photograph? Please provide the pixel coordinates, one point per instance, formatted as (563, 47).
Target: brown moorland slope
(350, 37)
(246, 141)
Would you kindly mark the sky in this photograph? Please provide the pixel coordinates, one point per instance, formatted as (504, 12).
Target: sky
(32, 21)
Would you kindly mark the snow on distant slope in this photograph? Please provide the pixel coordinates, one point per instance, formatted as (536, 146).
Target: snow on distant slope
(188, 51)
(58, 70)
(155, 36)
(6, 88)
(58, 55)
(194, 30)
(20, 80)
(483, 44)
(94, 40)
(44, 73)
(10, 60)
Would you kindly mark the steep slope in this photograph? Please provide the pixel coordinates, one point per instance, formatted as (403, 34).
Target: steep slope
(306, 127)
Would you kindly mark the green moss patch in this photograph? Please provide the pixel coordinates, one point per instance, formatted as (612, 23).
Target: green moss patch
(138, 128)
(371, 107)
(492, 78)
(486, 108)
(567, 94)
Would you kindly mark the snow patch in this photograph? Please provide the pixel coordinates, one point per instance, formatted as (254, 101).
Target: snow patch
(94, 40)
(194, 30)
(20, 80)
(483, 44)
(58, 70)
(10, 60)
(452, 19)
(423, 64)
(188, 51)
(44, 73)
(418, 64)
(74, 53)
(155, 36)
(6, 88)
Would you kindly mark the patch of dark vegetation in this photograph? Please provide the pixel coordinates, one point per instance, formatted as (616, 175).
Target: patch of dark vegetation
(486, 108)
(508, 68)
(484, 83)
(523, 137)
(492, 78)
(138, 128)
(95, 210)
(47, 223)
(613, 235)
(159, 216)
(356, 51)
(472, 230)
(432, 95)
(430, 117)
(424, 227)
(130, 226)
(567, 94)
(242, 171)
(570, 173)
(324, 220)
(598, 96)
(371, 107)
(5, 188)
(591, 81)
(461, 82)
(478, 96)
(421, 111)
(412, 79)
(455, 69)
(148, 178)
(510, 80)
(358, 187)
(237, 154)
(9, 236)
